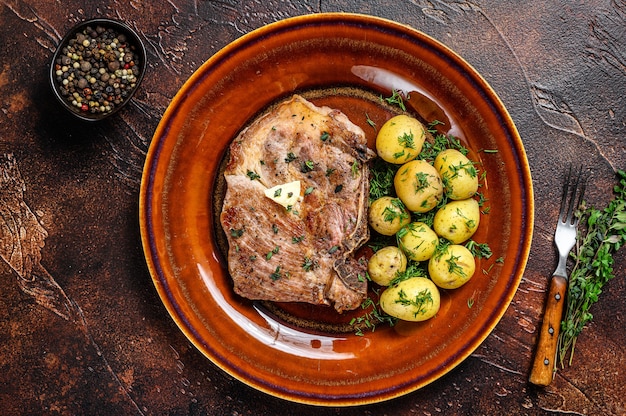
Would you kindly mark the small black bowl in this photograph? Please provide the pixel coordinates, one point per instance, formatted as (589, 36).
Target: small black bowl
(99, 78)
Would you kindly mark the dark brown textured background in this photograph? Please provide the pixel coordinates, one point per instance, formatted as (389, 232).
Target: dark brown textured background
(82, 330)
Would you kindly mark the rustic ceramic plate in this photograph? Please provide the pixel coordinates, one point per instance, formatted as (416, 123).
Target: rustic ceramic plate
(304, 353)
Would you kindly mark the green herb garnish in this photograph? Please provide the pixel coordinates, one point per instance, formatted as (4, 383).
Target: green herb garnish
(381, 182)
(453, 266)
(354, 168)
(441, 142)
(419, 302)
(372, 317)
(236, 233)
(421, 181)
(479, 250)
(396, 98)
(601, 234)
(407, 141)
(309, 264)
(398, 211)
(468, 167)
(252, 175)
(307, 166)
(290, 157)
(413, 269)
(276, 274)
(271, 253)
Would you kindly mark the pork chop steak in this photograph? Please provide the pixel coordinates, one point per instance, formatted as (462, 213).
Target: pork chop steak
(300, 247)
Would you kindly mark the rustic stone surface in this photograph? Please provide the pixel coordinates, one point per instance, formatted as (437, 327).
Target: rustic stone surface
(82, 329)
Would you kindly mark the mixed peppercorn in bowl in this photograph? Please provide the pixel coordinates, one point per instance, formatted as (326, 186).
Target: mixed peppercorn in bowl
(97, 68)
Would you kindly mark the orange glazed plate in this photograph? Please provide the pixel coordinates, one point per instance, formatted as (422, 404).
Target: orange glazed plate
(351, 62)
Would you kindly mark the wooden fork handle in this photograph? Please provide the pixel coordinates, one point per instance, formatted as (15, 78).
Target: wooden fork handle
(542, 371)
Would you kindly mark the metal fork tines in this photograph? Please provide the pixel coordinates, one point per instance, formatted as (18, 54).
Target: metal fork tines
(565, 234)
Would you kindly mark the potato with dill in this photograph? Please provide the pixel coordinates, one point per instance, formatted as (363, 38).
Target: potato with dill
(387, 215)
(457, 221)
(385, 264)
(400, 139)
(418, 241)
(452, 267)
(414, 299)
(418, 185)
(458, 173)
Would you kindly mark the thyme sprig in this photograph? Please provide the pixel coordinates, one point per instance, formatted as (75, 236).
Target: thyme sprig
(602, 233)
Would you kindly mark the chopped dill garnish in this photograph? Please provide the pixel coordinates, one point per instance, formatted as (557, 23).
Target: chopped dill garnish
(479, 250)
(407, 140)
(381, 182)
(419, 302)
(397, 99)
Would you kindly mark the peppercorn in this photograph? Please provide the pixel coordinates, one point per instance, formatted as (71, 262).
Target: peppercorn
(113, 65)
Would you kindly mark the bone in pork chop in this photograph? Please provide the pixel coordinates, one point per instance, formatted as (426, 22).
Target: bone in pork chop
(302, 250)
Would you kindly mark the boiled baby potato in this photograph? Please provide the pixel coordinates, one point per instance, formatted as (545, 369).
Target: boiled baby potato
(452, 268)
(459, 175)
(387, 215)
(414, 299)
(383, 266)
(418, 185)
(418, 241)
(400, 139)
(457, 221)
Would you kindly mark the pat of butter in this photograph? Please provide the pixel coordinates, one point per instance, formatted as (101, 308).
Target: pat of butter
(286, 194)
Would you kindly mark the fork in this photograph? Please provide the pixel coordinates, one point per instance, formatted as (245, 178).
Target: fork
(544, 365)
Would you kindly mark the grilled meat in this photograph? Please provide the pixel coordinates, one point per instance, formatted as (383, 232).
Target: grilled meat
(298, 248)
